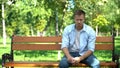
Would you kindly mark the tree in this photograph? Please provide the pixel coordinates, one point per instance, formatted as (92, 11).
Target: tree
(100, 22)
(30, 13)
(3, 25)
(94, 8)
(31, 17)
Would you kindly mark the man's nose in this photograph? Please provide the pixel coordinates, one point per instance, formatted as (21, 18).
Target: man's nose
(79, 21)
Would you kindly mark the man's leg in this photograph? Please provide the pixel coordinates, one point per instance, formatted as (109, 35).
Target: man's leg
(92, 61)
(64, 63)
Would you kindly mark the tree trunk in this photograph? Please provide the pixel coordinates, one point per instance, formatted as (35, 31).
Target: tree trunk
(3, 24)
(57, 31)
(32, 33)
(96, 30)
(117, 32)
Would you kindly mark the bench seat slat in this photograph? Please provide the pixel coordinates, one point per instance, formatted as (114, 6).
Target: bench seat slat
(32, 64)
(50, 64)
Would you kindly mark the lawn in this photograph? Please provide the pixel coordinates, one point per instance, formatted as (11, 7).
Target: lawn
(43, 55)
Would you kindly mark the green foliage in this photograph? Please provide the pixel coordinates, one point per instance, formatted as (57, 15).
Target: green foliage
(39, 26)
(24, 16)
(100, 21)
(26, 13)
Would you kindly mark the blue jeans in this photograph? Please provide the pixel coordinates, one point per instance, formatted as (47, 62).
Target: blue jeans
(91, 61)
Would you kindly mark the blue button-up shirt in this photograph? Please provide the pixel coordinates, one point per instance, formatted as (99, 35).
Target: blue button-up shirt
(87, 38)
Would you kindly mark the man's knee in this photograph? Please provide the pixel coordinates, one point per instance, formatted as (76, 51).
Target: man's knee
(96, 64)
(63, 64)
(93, 61)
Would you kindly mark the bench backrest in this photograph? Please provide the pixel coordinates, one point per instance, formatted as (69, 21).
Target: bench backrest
(36, 43)
(54, 43)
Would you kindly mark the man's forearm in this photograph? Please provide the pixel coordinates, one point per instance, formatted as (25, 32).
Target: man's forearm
(88, 53)
(66, 52)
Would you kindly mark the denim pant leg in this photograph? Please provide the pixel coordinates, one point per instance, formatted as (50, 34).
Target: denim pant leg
(92, 61)
(64, 63)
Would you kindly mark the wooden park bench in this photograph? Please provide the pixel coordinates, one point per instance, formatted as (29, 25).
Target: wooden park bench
(20, 43)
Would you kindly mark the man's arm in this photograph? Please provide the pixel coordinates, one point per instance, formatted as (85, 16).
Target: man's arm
(91, 44)
(67, 54)
(91, 47)
(78, 59)
(88, 53)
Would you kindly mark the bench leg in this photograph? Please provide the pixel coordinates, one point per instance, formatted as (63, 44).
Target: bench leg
(114, 67)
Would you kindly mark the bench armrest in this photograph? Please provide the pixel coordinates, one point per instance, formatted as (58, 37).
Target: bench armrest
(6, 58)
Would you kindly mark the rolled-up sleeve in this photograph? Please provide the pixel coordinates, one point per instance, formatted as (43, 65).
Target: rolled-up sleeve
(91, 40)
(65, 38)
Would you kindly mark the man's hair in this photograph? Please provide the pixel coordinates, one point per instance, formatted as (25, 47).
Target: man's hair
(79, 12)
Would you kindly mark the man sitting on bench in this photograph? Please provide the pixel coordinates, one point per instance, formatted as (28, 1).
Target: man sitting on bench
(78, 43)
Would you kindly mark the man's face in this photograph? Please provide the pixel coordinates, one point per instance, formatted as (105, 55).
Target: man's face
(79, 20)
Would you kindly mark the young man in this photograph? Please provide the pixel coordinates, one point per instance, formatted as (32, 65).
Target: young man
(78, 43)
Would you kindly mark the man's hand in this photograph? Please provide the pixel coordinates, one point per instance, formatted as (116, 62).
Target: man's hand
(77, 59)
(71, 59)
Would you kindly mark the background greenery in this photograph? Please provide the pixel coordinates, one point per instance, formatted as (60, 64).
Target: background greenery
(49, 17)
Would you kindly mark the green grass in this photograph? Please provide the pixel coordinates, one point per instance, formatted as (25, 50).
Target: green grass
(36, 55)
(48, 55)
(117, 45)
